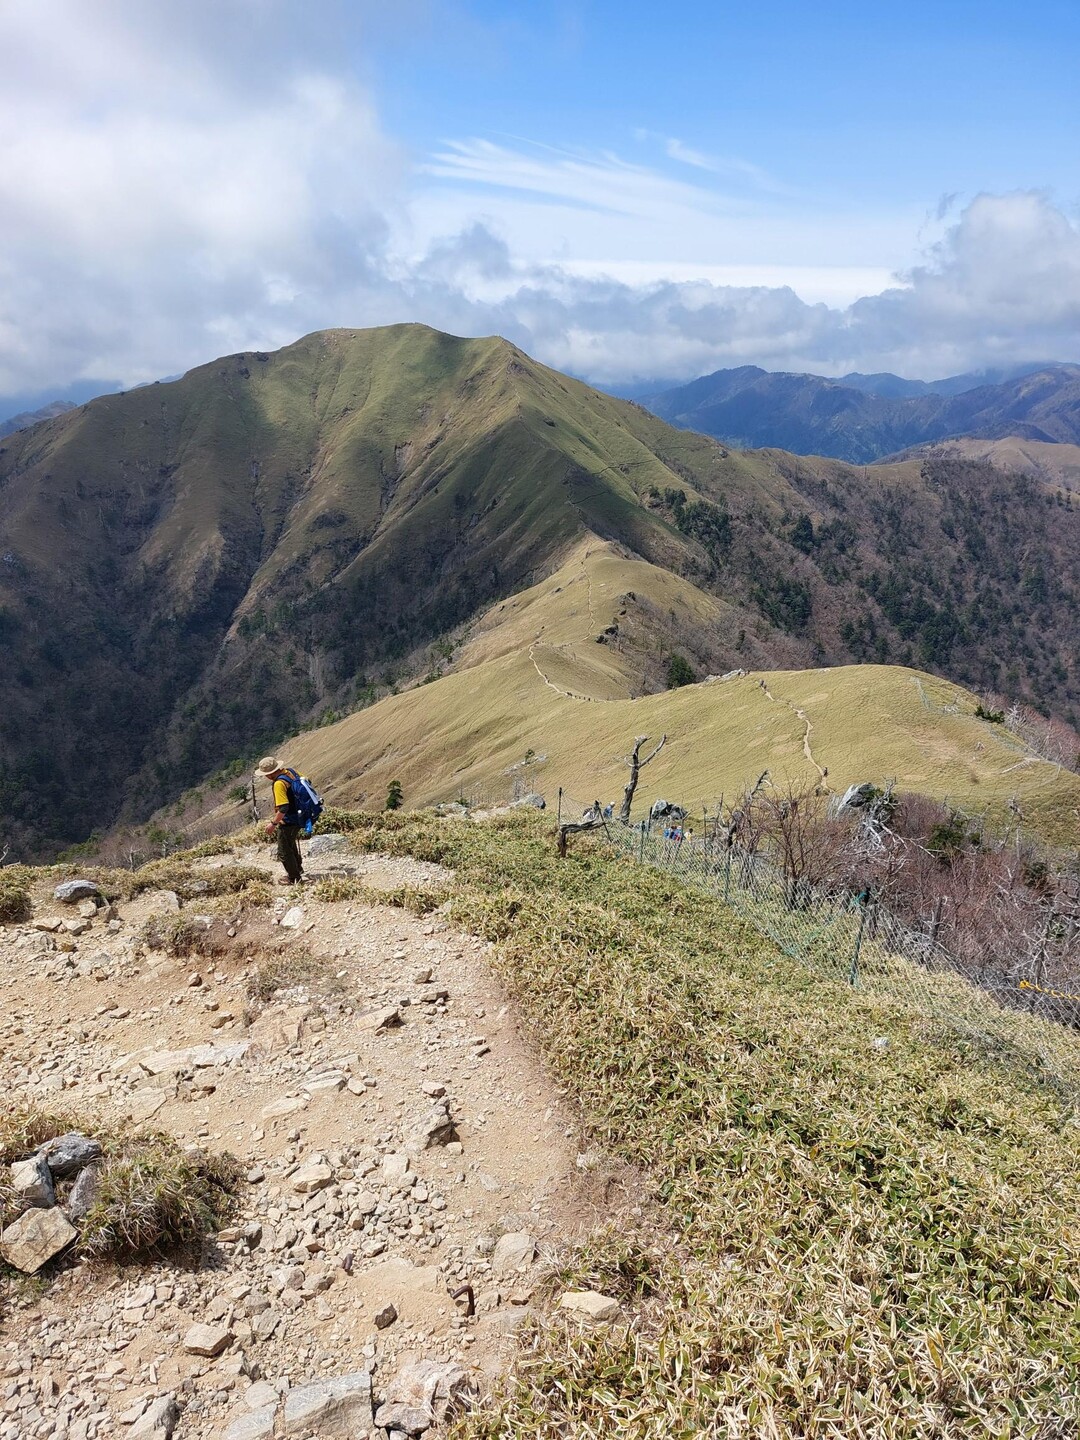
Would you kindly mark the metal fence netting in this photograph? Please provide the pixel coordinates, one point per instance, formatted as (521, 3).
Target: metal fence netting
(854, 939)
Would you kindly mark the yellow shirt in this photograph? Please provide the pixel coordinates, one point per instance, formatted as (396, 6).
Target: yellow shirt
(281, 795)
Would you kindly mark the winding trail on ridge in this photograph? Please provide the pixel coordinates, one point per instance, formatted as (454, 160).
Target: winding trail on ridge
(570, 694)
(807, 732)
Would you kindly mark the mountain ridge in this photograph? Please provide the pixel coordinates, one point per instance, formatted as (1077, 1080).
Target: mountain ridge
(193, 569)
(808, 414)
(26, 418)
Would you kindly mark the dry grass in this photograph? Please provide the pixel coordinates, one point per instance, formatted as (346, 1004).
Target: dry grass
(15, 902)
(867, 721)
(153, 1193)
(290, 967)
(181, 935)
(867, 1242)
(417, 899)
(189, 881)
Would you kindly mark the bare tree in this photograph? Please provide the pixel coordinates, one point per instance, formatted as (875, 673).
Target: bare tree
(809, 847)
(636, 766)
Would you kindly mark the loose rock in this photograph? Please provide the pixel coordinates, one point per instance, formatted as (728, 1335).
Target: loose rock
(590, 1305)
(36, 1237)
(67, 1154)
(158, 1421)
(513, 1251)
(380, 1019)
(208, 1340)
(71, 891)
(84, 1192)
(32, 1182)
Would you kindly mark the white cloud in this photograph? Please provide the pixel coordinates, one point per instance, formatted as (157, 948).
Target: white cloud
(181, 181)
(164, 184)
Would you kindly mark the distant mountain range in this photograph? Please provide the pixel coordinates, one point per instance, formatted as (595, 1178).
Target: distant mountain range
(863, 418)
(26, 418)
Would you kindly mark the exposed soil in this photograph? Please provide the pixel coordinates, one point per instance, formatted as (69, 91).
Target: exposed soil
(300, 1277)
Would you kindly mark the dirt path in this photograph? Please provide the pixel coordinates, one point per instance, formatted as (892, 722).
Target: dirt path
(299, 1280)
(808, 729)
(590, 631)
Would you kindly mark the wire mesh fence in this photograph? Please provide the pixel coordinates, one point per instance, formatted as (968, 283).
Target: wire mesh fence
(852, 938)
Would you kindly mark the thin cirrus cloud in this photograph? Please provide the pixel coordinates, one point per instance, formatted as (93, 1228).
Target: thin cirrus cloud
(177, 184)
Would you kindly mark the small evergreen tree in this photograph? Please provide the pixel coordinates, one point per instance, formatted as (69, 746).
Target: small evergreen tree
(394, 796)
(679, 672)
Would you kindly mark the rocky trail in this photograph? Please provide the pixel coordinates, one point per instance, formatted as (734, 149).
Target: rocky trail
(409, 1168)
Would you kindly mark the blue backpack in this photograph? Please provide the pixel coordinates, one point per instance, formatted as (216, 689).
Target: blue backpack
(304, 800)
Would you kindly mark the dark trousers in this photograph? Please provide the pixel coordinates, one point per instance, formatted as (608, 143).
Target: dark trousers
(288, 850)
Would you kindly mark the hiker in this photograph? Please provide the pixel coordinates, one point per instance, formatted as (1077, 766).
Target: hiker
(296, 808)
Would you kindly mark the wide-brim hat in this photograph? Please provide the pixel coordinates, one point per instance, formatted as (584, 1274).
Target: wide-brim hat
(268, 766)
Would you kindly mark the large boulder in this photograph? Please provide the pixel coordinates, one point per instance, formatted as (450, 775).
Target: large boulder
(72, 891)
(668, 811)
(67, 1154)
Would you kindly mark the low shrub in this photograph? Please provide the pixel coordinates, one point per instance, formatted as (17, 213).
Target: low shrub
(14, 896)
(181, 935)
(418, 899)
(153, 1193)
(288, 968)
(189, 881)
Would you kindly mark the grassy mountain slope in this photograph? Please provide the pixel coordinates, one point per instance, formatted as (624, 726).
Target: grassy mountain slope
(534, 678)
(1051, 464)
(810, 414)
(196, 563)
(194, 569)
(837, 1219)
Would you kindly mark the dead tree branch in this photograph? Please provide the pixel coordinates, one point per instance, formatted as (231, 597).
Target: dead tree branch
(636, 766)
(593, 819)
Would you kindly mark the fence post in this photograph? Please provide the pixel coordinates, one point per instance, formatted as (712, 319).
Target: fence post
(727, 878)
(558, 818)
(863, 899)
(641, 848)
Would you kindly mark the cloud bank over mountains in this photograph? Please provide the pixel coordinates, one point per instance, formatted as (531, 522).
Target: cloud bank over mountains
(179, 185)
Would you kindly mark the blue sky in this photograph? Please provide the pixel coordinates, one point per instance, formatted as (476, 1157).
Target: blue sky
(629, 191)
(856, 101)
